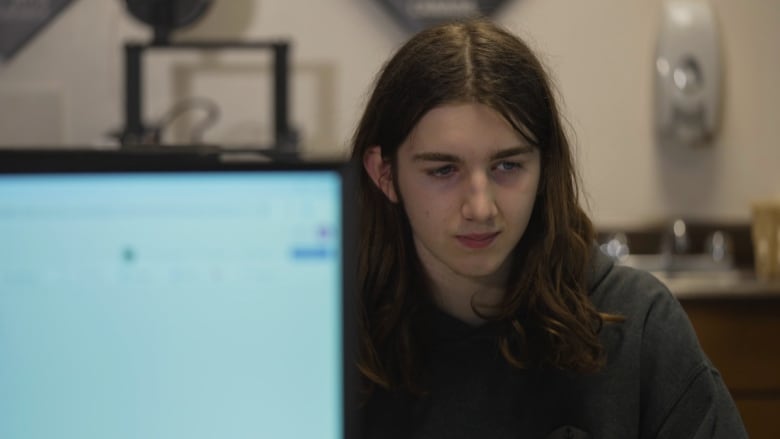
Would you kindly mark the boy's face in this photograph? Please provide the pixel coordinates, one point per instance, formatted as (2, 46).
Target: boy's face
(468, 182)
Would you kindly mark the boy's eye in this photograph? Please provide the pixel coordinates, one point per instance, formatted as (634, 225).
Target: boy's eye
(442, 171)
(509, 166)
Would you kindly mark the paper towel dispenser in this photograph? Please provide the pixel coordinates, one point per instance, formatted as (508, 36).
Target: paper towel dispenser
(688, 73)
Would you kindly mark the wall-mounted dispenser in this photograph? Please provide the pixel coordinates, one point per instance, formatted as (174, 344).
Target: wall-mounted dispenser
(688, 73)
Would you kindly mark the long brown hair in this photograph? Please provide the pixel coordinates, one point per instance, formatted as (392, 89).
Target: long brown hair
(547, 317)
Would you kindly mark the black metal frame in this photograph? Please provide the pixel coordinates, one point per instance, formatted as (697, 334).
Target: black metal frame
(134, 130)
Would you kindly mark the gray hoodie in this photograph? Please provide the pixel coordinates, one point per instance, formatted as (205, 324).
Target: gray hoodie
(657, 382)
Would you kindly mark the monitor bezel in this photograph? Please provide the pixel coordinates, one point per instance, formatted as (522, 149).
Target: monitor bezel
(186, 160)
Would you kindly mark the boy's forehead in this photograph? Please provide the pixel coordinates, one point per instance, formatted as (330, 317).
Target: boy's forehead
(465, 122)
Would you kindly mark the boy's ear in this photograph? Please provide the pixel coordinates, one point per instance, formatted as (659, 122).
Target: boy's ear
(380, 171)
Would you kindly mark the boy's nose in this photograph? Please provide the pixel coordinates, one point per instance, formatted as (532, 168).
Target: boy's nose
(479, 201)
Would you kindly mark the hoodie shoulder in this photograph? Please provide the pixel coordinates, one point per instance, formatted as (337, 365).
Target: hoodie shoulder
(619, 289)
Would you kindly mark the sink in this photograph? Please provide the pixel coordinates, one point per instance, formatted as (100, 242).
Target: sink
(702, 279)
(692, 275)
(729, 284)
(676, 264)
(697, 277)
(693, 259)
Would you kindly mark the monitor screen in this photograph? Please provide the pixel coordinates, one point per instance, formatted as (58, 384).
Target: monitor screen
(172, 304)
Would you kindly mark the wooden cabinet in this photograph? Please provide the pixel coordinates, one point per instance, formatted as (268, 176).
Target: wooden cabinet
(741, 335)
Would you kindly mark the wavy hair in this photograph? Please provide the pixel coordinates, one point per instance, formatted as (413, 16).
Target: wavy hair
(546, 315)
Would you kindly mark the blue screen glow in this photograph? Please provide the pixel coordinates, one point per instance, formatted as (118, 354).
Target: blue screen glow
(187, 305)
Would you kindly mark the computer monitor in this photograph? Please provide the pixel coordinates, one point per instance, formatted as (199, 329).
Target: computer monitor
(173, 295)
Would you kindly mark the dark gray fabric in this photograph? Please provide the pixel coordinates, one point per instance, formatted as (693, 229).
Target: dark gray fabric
(657, 383)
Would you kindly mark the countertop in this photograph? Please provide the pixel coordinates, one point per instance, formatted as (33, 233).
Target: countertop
(734, 284)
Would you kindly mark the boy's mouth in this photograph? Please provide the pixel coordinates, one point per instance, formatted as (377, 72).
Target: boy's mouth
(477, 240)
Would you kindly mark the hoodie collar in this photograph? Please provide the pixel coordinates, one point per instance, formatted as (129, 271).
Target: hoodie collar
(600, 266)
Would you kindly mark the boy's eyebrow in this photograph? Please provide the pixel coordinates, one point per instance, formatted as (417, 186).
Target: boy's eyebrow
(445, 157)
(435, 157)
(525, 149)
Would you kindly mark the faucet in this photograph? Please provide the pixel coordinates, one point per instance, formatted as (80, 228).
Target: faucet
(676, 247)
(674, 243)
(675, 240)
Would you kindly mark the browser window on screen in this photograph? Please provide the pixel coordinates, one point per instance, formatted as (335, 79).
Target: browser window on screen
(186, 305)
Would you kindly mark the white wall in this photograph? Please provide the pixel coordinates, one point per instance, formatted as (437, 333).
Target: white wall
(65, 87)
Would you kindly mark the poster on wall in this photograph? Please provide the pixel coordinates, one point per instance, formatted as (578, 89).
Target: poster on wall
(419, 14)
(21, 20)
